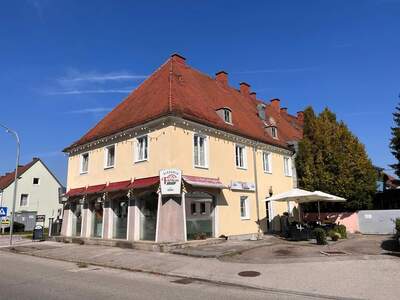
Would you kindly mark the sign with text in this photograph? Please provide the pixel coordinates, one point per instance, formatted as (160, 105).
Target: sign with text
(243, 186)
(3, 212)
(170, 181)
(5, 222)
(40, 218)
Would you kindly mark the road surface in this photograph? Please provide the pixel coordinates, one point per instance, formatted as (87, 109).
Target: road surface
(27, 277)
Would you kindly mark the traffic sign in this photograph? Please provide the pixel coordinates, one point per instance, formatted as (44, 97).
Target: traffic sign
(3, 212)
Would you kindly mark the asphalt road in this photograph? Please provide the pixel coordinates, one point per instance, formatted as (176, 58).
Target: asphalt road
(27, 277)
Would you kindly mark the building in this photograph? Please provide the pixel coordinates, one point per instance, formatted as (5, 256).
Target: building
(232, 149)
(38, 192)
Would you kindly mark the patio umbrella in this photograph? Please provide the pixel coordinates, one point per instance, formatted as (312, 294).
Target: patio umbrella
(328, 198)
(299, 196)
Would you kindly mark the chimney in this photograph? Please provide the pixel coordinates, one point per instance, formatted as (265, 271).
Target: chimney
(178, 58)
(253, 95)
(276, 103)
(222, 77)
(300, 115)
(244, 88)
(284, 110)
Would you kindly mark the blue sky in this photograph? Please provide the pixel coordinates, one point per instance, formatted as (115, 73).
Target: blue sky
(64, 64)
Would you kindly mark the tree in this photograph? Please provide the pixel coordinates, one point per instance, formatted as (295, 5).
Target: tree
(331, 159)
(395, 141)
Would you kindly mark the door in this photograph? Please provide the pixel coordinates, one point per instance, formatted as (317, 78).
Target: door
(97, 220)
(120, 209)
(77, 219)
(148, 217)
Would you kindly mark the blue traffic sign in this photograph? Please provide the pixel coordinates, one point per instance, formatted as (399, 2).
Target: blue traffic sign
(3, 212)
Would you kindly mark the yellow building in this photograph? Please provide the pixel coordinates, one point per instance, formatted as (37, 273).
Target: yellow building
(221, 152)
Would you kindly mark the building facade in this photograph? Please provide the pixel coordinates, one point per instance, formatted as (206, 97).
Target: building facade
(232, 150)
(38, 192)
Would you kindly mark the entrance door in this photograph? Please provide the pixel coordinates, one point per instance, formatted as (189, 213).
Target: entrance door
(97, 219)
(199, 216)
(148, 217)
(76, 219)
(120, 209)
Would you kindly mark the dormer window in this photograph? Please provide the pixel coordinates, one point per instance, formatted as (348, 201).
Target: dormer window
(225, 114)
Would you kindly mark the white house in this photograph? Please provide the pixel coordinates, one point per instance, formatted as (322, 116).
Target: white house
(38, 190)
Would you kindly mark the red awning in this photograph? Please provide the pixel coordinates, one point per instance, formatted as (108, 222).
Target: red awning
(76, 192)
(204, 182)
(144, 182)
(117, 186)
(94, 189)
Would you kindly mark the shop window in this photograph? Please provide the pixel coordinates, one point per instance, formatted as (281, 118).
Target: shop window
(267, 162)
(287, 166)
(84, 167)
(203, 208)
(24, 200)
(142, 150)
(200, 151)
(240, 152)
(36, 181)
(109, 156)
(244, 207)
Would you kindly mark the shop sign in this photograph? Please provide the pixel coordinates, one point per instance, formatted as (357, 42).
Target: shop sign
(5, 222)
(170, 181)
(40, 218)
(243, 186)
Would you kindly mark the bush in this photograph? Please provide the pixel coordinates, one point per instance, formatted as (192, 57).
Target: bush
(320, 236)
(397, 222)
(342, 230)
(334, 235)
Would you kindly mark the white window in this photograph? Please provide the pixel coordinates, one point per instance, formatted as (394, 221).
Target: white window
(227, 116)
(142, 148)
(84, 163)
(24, 200)
(109, 156)
(244, 207)
(287, 166)
(267, 167)
(274, 132)
(200, 151)
(36, 181)
(240, 154)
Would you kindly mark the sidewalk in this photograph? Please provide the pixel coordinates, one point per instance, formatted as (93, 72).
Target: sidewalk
(367, 277)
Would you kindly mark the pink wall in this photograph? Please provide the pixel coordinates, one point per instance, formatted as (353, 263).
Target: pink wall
(350, 220)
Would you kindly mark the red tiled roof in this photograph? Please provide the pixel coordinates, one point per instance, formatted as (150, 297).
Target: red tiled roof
(177, 89)
(8, 178)
(144, 182)
(117, 186)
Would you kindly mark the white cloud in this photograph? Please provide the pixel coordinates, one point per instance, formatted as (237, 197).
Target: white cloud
(77, 77)
(90, 91)
(94, 110)
(283, 70)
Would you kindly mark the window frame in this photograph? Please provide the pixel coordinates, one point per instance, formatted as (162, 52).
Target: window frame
(246, 208)
(27, 200)
(33, 181)
(269, 158)
(287, 167)
(227, 112)
(274, 129)
(244, 159)
(206, 140)
(106, 153)
(81, 171)
(136, 151)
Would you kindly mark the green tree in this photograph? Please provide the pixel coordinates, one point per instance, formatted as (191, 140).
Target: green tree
(331, 159)
(395, 141)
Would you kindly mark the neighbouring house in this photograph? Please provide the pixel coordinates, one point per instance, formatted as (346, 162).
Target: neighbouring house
(224, 149)
(38, 193)
(388, 191)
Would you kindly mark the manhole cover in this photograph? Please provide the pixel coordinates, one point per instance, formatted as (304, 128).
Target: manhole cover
(249, 274)
(333, 252)
(183, 281)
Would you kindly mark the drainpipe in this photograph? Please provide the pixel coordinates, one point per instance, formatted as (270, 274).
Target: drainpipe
(256, 190)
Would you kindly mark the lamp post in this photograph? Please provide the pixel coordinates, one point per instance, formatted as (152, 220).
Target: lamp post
(15, 134)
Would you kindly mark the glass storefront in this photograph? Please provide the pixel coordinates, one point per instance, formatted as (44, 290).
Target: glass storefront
(148, 216)
(76, 219)
(97, 219)
(120, 222)
(199, 215)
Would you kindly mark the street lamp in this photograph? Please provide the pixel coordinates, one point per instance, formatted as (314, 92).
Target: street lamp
(15, 134)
